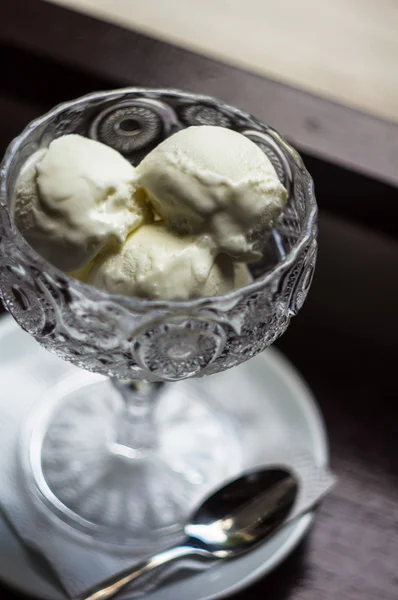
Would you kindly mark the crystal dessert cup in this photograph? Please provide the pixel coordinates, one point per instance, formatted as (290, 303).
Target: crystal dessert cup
(123, 459)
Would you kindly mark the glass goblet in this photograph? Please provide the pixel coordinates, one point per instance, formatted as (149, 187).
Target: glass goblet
(123, 460)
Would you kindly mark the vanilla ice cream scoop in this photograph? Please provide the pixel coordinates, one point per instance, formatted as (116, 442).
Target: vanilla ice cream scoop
(214, 182)
(75, 198)
(157, 264)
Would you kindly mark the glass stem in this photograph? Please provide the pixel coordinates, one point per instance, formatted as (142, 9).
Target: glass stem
(136, 435)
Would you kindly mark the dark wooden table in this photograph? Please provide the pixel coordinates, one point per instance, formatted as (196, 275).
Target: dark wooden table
(344, 340)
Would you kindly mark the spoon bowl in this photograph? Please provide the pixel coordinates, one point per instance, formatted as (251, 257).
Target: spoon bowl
(233, 520)
(244, 512)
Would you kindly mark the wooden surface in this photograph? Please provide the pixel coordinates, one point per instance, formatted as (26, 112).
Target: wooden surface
(122, 57)
(343, 341)
(345, 50)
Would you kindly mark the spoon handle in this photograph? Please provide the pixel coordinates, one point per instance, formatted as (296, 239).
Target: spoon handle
(143, 571)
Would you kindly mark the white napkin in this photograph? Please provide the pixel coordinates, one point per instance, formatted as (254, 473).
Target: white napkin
(78, 562)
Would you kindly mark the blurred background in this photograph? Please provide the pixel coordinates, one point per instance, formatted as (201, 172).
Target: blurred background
(325, 75)
(345, 50)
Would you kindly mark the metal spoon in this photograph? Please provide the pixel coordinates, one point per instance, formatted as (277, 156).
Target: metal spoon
(233, 520)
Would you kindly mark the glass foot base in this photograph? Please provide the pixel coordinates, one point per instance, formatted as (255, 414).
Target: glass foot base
(90, 481)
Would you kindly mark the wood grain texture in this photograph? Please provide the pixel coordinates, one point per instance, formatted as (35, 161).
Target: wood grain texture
(344, 50)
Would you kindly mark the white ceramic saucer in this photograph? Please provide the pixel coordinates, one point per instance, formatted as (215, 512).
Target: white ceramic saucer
(285, 399)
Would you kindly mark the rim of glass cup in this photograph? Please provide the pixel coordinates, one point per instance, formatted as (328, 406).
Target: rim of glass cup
(135, 302)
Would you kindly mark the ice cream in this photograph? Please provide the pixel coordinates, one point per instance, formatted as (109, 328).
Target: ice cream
(76, 198)
(242, 275)
(158, 264)
(179, 226)
(216, 183)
